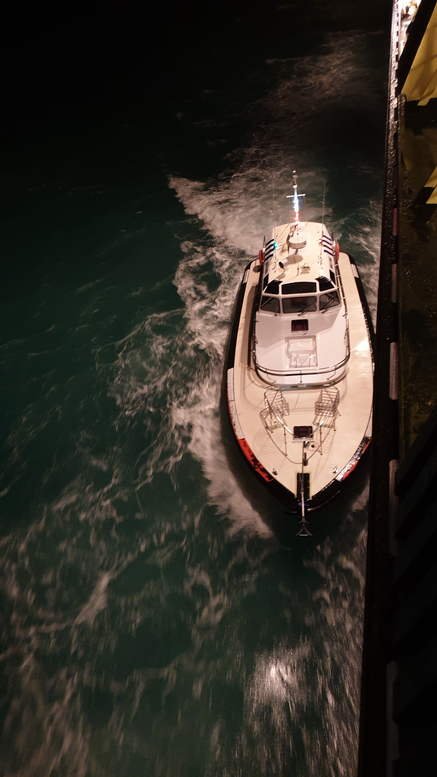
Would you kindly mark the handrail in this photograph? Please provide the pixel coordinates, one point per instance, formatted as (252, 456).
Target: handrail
(280, 420)
(293, 373)
(317, 426)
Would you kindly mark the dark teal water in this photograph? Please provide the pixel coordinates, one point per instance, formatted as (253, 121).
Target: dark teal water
(152, 624)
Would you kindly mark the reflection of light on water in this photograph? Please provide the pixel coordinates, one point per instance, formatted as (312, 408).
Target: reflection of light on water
(274, 701)
(279, 677)
(278, 680)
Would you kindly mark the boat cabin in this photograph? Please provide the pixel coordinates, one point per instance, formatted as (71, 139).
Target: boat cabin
(299, 271)
(300, 326)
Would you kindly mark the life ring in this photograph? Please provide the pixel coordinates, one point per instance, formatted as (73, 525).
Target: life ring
(261, 256)
(336, 252)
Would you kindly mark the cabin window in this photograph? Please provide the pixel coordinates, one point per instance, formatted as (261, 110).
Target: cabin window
(299, 304)
(271, 304)
(324, 283)
(330, 300)
(265, 280)
(332, 274)
(272, 288)
(299, 287)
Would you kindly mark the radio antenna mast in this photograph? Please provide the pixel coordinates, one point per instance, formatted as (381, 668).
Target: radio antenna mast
(295, 198)
(323, 202)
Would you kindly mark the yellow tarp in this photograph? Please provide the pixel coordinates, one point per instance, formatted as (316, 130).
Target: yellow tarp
(421, 83)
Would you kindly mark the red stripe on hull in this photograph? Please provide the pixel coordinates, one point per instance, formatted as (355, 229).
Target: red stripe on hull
(359, 453)
(253, 461)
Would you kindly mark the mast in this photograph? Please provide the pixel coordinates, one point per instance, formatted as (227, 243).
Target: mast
(295, 198)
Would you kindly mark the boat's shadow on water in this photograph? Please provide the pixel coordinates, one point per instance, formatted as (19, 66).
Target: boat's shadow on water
(280, 517)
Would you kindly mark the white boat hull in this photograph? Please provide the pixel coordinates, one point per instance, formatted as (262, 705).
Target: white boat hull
(337, 412)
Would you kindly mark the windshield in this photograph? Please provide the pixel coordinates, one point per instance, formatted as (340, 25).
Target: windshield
(271, 304)
(330, 300)
(299, 287)
(299, 304)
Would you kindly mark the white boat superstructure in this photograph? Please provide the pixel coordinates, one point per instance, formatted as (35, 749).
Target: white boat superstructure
(300, 365)
(301, 331)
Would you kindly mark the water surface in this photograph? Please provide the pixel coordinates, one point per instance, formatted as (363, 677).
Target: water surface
(152, 624)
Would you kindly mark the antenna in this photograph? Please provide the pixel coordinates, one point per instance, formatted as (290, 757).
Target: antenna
(295, 197)
(323, 202)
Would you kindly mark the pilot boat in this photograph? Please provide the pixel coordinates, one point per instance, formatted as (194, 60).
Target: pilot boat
(299, 371)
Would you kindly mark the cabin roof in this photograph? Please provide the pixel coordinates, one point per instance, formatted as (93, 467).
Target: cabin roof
(300, 252)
